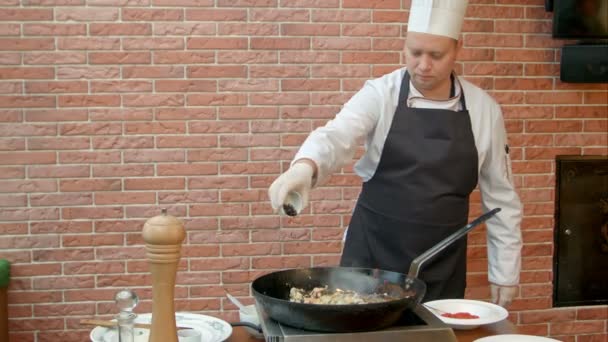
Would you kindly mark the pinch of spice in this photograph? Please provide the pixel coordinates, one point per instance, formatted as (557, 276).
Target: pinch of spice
(289, 210)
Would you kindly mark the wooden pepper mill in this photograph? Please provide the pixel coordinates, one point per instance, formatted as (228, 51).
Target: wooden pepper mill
(163, 235)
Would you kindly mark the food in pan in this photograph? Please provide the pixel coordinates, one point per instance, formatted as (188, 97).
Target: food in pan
(460, 315)
(323, 295)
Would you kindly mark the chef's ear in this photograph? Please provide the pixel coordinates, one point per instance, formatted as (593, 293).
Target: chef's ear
(459, 43)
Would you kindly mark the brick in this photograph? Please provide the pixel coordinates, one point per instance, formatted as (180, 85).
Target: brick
(38, 29)
(109, 198)
(120, 142)
(116, 114)
(213, 43)
(251, 223)
(61, 199)
(550, 97)
(86, 14)
(279, 15)
(369, 30)
(216, 154)
(92, 240)
(153, 72)
(12, 144)
(340, 71)
(54, 2)
(157, 183)
(62, 255)
(16, 186)
(187, 142)
(280, 43)
(247, 3)
(89, 157)
(63, 310)
(26, 14)
(118, 3)
(600, 98)
(341, 43)
(27, 101)
(213, 15)
(33, 297)
(26, 73)
(580, 327)
(27, 44)
(216, 71)
(582, 112)
(80, 185)
(184, 57)
(60, 227)
(586, 140)
(11, 87)
(597, 313)
(26, 158)
(8, 58)
(13, 228)
(311, 3)
(185, 3)
(90, 129)
(56, 115)
(248, 113)
(155, 128)
(220, 264)
(312, 247)
(122, 170)
(43, 324)
(185, 86)
(188, 196)
(62, 143)
(87, 72)
(34, 58)
(56, 87)
(29, 242)
(216, 99)
(10, 29)
(184, 29)
(158, 43)
(153, 100)
(280, 235)
(379, 16)
(88, 43)
(120, 58)
(389, 44)
(151, 14)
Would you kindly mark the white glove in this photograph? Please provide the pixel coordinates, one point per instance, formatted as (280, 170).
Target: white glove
(298, 179)
(503, 295)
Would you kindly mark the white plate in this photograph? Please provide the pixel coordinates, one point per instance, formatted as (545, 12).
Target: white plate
(488, 313)
(515, 338)
(212, 329)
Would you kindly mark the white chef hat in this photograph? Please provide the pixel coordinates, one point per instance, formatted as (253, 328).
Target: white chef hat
(439, 17)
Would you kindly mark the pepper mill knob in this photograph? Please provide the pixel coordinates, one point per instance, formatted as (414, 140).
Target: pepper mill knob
(163, 235)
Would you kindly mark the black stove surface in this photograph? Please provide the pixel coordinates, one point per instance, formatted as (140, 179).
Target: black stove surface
(418, 325)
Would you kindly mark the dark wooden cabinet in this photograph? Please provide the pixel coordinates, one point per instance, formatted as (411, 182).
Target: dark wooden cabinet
(580, 267)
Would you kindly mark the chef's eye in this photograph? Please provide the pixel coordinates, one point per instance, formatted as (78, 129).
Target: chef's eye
(436, 55)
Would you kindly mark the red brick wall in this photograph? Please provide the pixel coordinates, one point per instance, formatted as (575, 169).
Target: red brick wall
(111, 109)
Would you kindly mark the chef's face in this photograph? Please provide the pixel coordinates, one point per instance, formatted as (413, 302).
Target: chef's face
(430, 60)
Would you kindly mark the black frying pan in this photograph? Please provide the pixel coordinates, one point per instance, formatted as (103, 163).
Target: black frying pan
(271, 292)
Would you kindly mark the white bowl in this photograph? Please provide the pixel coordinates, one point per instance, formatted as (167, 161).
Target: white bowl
(250, 315)
(488, 313)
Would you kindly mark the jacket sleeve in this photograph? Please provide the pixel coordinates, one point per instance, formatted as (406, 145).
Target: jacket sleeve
(334, 145)
(497, 190)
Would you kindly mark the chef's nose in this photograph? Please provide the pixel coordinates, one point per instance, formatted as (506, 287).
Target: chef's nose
(425, 63)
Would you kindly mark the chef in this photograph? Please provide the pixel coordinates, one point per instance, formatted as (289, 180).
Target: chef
(430, 138)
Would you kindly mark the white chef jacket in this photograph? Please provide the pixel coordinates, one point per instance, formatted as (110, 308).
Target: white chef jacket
(368, 115)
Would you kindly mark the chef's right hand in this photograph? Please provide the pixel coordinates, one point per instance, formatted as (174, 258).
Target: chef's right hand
(298, 178)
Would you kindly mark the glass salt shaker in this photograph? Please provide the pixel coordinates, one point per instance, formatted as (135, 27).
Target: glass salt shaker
(126, 301)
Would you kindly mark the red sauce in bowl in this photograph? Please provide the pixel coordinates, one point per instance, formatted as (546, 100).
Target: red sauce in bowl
(460, 315)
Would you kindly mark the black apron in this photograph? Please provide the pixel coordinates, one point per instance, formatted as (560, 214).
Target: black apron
(418, 195)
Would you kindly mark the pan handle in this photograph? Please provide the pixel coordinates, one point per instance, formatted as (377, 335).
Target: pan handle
(422, 258)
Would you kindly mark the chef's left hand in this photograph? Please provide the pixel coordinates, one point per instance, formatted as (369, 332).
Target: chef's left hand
(503, 295)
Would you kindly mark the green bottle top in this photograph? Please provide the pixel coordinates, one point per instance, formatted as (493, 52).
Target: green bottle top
(5, 272)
